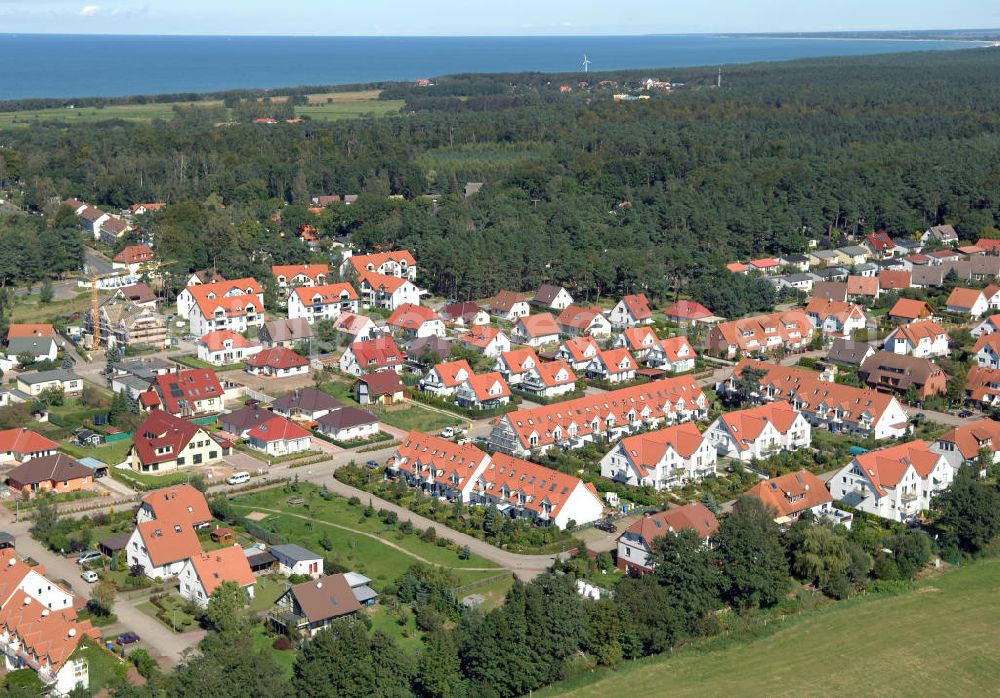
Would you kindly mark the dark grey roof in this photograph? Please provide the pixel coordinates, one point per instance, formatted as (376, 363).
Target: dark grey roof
(794, 258)
(854, 250)
(246, 418)
(347, 417)
(832, 273)
(831, 290)
(287, 330)
(308, 400)
(261, 559)
(57, 467)
(415, 347)
(295, 553)
(59, 374)
(848, 352)
(116, 543)
(37, 346)
(547, 293)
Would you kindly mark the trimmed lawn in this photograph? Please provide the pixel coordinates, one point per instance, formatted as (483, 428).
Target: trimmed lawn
(340, 390)
(493, 594)
(262, 641)
(112, 453)
(195, 362)
(266, 591)
(105, 669)
(420, 419)
(939, 639)
(378, 558)
(384, 619)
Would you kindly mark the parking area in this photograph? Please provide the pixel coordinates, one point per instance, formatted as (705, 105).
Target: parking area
(240, 461)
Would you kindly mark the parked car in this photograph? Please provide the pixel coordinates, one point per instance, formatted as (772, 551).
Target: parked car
(88, 557)
(447, 432)
(127, 638)
(90, 576)
(239, 478)
(966, 413)
(372, 464)
(606, 525)
(464, 442)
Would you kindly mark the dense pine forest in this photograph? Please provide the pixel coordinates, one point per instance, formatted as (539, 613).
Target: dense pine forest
(603, 196)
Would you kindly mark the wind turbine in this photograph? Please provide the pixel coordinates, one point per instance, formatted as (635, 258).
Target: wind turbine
(586, 63)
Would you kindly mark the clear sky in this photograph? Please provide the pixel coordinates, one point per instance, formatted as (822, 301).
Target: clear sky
(469, 17)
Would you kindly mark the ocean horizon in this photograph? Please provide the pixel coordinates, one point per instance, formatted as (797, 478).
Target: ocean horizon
(66, 66)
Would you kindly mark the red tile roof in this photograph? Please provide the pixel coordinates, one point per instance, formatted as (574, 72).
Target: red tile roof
(555, 373)
(885, 467)
(164, 433)
(920, 329)
(411, 317)
(579, 318)
(528, 484)
(315, 272)
(638, 306)
(222, 565)
(540, 325)
(278, 429)
(377, 353)
(746, 425)
(169, 540)
(910, 309)
(182, 503)
(969, 439)
(894, 279)
(360, 262)
(646, 450)
(22, 442)
(964, 298)
(36, 329)
(863, 286)
(688, 310)
(277, 358)
(480, 336)
(453, 373)
(693, 515)
(325, 294)
(790, 495)
(190, 385)
(378, 281)
(880, 241)
(639, 338)
(617, 360)
(983, 384)
(209, 297)
(517, 360)
(582, 348)
(217, 340)
(134, 254)
(677, 348)
(483, 383)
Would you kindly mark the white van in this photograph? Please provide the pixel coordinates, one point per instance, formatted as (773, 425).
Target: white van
(239, 478)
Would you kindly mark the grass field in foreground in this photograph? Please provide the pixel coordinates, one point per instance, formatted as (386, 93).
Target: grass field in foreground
(939, 639)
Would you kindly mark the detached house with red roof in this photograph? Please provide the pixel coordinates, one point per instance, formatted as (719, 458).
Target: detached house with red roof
(20, 445)
(536, 330)
(444, 378)
(674, 354)
(759, 432)
(982, 385)
(372, 356)
(922, 339)
(290, 276)
(638, 340)
(986, 351)
(576, 321)
(688, 313)
(39, 629)
(508, 305)
(836, 318)
(631, 311)
(549, 380)
(636, 543)
(225, 347)
(162, 546)
(202, 574)
(132, 258)
(324, 302)
(987, 326)
(278, 436)
(661, 459)
(416, 322)
(225, 305)
(485, 391)
(880, 245)
(488, 341)
(907, 310)
(578, 352)
(895, 483)
(389, 292)
(185, 393)
(967, 301)
(515, 365)
(163, 443)
(963, 444)
(277, 362)
(789, 496)
(613, 366)
(397, 263)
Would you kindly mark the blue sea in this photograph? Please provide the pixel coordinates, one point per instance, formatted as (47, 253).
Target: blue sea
(83, 66)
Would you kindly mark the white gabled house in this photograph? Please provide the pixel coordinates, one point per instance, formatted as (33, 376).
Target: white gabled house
(550, 379)
(638, 340)
(662, 459)
(759, 432)
(631, 311)
(515, 365)
(613, 366)
(327, 302)
(987, 351)
(483, 392)
(922, 339)
(444, 378)
(389, 292)
(674, 354)
(894, 483)
(205, 572)
(578, 352)
(987, 326)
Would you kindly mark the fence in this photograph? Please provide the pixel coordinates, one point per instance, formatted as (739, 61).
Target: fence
(120, 436)
(480, 583)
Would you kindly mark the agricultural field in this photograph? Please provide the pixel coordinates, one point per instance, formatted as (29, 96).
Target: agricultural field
(937, 639)
(321, 107)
